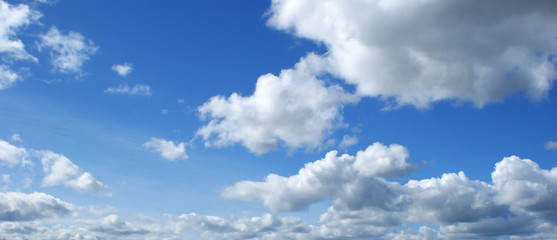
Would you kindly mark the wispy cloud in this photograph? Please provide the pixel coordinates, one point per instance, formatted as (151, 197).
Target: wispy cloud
(68, 51)
(124, 89)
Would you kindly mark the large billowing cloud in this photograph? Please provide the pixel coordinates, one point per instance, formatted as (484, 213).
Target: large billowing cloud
(294, 108)
(353, 181)
(418, 52)
(16, 206)
(60, 170)
(520, 200)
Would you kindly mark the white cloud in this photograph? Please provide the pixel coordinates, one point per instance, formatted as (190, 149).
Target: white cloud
(69, 51)
(15, 137)
(60, 170)
(13, 18)
(7, 77)
(124, 89)
(551, 145)
(348, 141)
(167, 149)
(16, 206)
(519, 202)
(122, 69)
(11, 155)
(419, 52)
(294, 108)
(338, 177)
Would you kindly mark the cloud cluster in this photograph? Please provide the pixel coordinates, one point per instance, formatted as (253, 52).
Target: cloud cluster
(294, 108)
(68, 51)
(13, 18)
(519, 201)
(16, 206)
(353, 181)
(419, 52)
(60, 170)
(167, 149)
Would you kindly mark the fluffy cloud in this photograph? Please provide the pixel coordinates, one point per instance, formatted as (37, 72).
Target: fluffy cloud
(352, 181)
(167, 149)
(12, 18)
(60, 170)
(137, 89)
(11, 155)
(519, 202)
(348, 141)
(69, 51)
(122, 69)
(16, 206)
(294, 108)
(418, 52)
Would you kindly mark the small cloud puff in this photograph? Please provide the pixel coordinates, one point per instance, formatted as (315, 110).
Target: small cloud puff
(167, 149)
(122, 69)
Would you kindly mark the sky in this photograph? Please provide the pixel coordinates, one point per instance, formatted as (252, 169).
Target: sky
(281, 119)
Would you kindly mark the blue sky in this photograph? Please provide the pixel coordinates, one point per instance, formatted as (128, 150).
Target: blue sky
(278, 119)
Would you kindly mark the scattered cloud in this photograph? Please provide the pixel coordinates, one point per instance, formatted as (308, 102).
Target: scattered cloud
(60, 170)
(7, 77)
(180, 101)
(68, 51)
(551, 145)
(122, 69)
(294, 108)
(167, 149)
(124, 89)
(11, 155)
(13, 18)
(16, 206)
(401, 51)
(348, 141)
(15, 138)
(164, 111)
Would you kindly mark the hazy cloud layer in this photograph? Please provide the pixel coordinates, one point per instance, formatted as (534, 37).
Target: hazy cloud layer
(419, 52)
(294, 108)
(167, 149)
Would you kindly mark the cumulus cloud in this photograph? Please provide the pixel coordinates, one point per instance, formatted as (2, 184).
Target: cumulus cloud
(11, 155)
(13, 18)
(348, 141)
(114, 224)
(294, 108)
(60, 170)
(68, 51)
(419, 52)
(122, 69)
(551, 145)
(167, 149)
(16, 206)
(353, 181)
(124, 89)
(519, 201)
